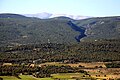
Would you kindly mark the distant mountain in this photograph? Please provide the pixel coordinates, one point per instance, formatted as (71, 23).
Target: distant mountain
(18, 29)
(45, 15)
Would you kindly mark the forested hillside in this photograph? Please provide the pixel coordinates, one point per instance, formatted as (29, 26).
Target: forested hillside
(18, 29)
(33, 30)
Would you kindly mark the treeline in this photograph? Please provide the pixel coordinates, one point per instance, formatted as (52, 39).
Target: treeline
(100, 50)
(43, 71)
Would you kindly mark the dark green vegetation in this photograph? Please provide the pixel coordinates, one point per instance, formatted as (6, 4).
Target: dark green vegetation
(102, 50)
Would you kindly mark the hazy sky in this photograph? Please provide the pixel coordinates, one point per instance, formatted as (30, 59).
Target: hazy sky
(74, 7)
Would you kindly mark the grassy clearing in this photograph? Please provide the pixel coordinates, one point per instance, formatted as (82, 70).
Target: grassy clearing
(9, 78)
(67, 75)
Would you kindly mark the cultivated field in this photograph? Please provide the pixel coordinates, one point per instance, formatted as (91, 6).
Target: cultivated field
(95, 70)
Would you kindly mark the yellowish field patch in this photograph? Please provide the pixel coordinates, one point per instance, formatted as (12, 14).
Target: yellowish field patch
(89, 65)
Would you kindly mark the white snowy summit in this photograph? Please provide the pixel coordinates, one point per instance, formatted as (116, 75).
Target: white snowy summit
(46, 15)
(43, 15)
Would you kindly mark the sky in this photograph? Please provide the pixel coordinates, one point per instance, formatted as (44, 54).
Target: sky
(94, 8)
